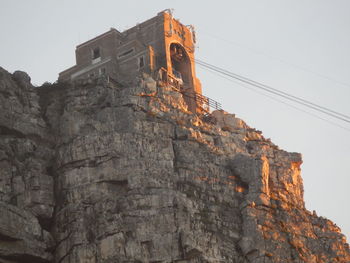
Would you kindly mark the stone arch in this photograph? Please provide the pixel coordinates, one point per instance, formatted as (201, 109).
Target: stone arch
(181, 63)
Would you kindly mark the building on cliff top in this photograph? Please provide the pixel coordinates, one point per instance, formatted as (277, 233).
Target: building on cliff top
(161, 47)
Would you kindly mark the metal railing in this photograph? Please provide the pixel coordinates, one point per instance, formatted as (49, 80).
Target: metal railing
(205, 102)
(210, 102)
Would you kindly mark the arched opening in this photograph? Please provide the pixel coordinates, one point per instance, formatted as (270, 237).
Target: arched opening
(181, 65)
(182, 71)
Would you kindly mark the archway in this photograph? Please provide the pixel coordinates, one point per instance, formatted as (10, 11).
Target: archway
(182, 70)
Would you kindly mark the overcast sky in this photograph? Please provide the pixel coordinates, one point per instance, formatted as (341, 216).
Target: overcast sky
(300, 47)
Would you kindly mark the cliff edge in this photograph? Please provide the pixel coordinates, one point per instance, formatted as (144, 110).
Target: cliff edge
(94, 171)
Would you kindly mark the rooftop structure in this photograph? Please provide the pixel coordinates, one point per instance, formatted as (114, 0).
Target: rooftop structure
(161, 47)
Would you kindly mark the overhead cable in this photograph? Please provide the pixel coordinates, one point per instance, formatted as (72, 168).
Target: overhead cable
(278, 100)
(306, 103)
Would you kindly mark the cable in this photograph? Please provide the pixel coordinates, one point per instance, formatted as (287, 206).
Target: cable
(274, 91)
(275, 99)
(301, 101)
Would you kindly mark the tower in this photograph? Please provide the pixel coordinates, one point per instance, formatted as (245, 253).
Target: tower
(160, 45)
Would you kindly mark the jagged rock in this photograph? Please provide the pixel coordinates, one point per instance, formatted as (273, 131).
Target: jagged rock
(112, 173)
(23, 79)
(21, 237)
(26, 185)
(228, 121)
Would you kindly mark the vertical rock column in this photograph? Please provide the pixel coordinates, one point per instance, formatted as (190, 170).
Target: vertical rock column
(26, 185)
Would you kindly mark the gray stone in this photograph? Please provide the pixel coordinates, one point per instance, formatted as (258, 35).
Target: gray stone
(22, 79)
(92, 172)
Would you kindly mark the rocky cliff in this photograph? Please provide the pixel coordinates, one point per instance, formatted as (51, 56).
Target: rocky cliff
(98, 172)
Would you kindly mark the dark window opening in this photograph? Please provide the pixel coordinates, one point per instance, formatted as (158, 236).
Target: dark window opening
(96, 53)
(177, 53)
(126, 53)
(141, 62)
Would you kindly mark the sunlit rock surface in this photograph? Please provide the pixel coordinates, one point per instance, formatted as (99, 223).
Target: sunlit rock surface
(96, 172)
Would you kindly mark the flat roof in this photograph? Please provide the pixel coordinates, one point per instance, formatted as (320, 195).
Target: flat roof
(117, 32)
(112, 30)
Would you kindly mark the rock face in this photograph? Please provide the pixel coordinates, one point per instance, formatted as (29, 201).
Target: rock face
(95, 172)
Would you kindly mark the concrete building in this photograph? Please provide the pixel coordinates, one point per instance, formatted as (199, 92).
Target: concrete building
(160, 46)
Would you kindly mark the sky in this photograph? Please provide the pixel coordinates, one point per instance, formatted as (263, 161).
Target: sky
(299, 47)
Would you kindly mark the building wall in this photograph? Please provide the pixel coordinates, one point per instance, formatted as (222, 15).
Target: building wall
(175, 32)
(120, 52)
(124, 55)
(106, 43)
(85, 64)
(139, 39)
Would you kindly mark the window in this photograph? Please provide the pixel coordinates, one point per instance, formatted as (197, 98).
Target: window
(141, 62)
(96, 53)
(126, 53)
